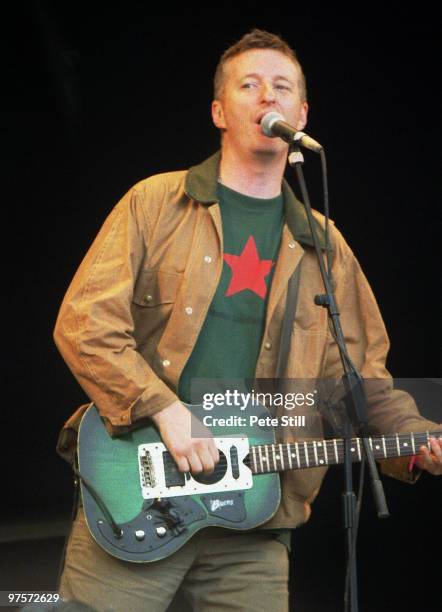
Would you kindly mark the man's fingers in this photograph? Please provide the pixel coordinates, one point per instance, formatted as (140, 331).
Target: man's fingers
(432, 462)
(436, 447)
(182, 463)
(215, 453)
(188, 461)
(208, 460)
(196, 465)
(202, 458)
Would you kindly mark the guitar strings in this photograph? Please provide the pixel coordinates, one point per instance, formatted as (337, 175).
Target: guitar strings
(271, 449)
(377, 443)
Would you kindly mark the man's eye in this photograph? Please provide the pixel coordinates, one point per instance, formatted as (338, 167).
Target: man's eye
(248, 85)
(283, 87)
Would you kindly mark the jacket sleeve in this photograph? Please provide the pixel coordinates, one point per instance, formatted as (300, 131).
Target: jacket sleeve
(94, 328)
(389, 410)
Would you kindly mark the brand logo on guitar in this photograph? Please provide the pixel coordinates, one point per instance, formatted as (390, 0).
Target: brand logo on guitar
(218, 503)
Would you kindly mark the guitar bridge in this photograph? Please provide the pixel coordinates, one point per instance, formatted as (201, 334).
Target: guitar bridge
(147, 472)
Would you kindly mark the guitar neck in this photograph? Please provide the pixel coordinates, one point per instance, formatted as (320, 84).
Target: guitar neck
(266, 458)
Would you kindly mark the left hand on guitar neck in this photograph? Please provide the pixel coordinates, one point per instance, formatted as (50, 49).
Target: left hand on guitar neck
(431, 462)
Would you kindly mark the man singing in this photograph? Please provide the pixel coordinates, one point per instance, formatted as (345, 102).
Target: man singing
(188, 279)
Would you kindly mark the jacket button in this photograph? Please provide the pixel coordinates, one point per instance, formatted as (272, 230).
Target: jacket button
(207, 259)
(189, 310)
(148, 298)
(268, 345)
(291, 245)
(166, 363)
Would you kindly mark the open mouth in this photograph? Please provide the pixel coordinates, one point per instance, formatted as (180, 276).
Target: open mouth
(262, 114)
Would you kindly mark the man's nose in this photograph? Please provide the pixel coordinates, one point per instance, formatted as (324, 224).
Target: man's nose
(268, 93)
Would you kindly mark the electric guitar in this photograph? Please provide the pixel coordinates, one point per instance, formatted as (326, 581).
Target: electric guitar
(140, 508)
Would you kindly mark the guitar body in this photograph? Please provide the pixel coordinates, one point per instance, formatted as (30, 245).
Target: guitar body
(140, 508)
(158, 513)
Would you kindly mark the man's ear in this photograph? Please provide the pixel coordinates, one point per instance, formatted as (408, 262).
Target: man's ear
(302, 117)
(218, 114)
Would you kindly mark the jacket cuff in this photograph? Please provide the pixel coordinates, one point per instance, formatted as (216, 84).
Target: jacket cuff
(152, 400)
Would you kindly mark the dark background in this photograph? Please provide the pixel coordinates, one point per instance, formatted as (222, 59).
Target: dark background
(97, 97)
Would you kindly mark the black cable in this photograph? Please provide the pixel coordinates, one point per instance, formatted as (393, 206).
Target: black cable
(100, 503)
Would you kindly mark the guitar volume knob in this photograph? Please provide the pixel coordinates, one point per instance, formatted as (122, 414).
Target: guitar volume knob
(161, 532)
(140, 535)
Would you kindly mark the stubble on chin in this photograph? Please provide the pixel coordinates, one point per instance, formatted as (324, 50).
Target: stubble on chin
(269, 152)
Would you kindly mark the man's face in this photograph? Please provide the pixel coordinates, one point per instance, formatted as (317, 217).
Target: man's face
(256, 82)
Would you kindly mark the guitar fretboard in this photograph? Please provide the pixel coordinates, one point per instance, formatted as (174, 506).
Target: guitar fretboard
(266, 458)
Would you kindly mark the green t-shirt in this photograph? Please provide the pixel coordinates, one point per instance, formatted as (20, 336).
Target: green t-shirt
(230, 339)
(229, 342)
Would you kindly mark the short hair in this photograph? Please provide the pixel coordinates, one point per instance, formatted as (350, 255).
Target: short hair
(257, 39)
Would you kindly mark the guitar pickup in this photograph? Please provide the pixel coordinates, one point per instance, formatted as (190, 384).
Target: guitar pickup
(173, 477)
(234, 462)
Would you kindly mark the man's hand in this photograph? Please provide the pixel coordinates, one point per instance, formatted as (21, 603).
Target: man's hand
(431, 462)
(178, 429)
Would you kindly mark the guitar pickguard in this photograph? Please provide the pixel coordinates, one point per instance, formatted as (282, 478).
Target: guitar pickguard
(159, 476)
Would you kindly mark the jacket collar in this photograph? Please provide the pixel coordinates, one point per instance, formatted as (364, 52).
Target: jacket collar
(200, 185)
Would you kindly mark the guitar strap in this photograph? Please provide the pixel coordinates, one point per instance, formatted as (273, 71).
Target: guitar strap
(287, 324)
(289, 316)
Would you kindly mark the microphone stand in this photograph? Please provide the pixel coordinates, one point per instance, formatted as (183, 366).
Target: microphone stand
(355, 400)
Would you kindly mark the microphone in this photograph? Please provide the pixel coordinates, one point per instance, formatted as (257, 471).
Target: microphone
(273, 125)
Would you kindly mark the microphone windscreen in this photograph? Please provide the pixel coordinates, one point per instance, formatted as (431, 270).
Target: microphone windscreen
(267, 123)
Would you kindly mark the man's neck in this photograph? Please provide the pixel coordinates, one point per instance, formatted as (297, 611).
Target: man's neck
(255, 176)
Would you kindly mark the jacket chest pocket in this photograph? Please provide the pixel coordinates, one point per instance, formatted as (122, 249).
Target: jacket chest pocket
(152, 304)
(156, 287)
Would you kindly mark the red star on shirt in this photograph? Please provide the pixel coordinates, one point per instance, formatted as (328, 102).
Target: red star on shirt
(248, 271)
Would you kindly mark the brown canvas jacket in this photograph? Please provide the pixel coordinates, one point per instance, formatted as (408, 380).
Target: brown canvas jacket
(133, 312)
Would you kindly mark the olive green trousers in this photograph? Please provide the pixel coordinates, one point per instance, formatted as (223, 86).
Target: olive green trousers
(217, 570)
